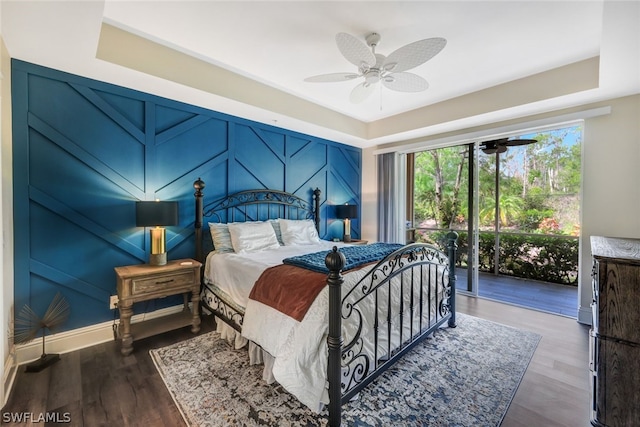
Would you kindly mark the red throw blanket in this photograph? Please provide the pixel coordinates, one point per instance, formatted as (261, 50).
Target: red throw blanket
(289, 289)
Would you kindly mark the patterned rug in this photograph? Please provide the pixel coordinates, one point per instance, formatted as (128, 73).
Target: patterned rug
(465, 376)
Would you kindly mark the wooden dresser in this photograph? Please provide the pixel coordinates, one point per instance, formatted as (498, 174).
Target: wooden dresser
(615, 334)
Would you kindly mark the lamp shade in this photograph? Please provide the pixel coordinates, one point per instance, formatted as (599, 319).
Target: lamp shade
(151, 214)
(346, 211)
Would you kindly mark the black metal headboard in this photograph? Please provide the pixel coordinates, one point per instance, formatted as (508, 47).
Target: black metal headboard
(250, 205)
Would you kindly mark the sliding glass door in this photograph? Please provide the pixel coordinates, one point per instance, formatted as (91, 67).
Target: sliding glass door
(443, 197)
(515, 204)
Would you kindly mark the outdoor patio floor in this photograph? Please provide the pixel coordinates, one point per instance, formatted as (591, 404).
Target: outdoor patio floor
(548, 297)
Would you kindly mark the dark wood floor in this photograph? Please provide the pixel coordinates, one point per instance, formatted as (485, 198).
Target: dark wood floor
(96, 386)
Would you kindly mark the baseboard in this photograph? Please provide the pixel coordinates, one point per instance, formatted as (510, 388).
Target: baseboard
(77, 339)
(585, 315)
(10, 370)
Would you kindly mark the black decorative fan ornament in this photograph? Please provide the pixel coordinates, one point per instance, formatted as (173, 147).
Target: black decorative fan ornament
(498, 146)
(375, 68)
(28, 324)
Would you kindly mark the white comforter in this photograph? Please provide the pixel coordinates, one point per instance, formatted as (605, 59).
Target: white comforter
(235, 274)
(299, 348)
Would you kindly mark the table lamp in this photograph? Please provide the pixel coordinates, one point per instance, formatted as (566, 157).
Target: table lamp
(157, 214)
(346, 212)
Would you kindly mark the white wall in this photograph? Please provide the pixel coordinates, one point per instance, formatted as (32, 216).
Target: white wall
(611, 178)
(611, 182)
(7, 349)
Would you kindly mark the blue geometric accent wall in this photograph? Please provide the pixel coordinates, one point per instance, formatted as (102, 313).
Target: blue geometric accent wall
(84, 151)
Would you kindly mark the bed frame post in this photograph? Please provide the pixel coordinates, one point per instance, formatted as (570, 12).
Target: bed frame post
(335, 262)
(316, 208)
(199, 186)
(452, 245)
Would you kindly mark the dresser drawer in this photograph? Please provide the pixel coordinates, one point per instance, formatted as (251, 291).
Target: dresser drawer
(617, 383)
(160, 284)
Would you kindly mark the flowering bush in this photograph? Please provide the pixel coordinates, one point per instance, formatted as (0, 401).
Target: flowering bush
(575, 231)
(546, 258)
(549, 226)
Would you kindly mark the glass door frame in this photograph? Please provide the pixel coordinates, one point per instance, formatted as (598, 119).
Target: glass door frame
(472, 222)
(471, 285)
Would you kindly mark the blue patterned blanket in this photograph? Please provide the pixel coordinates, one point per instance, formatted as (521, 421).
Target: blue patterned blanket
(355, 256)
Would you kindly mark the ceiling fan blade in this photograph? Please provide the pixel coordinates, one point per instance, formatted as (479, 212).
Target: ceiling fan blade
(355, 51)
(405, 82)
(517, 142)
(361, 92)
(332, 77)
(500, 145)
(507, 142)
(414, 54)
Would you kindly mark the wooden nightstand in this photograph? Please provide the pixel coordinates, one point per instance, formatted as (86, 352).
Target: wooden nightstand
(144, 282)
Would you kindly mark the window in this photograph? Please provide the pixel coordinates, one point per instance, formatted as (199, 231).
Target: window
(527, 219)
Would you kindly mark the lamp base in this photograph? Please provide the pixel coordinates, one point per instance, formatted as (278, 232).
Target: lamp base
(158, 259)
(346, 238)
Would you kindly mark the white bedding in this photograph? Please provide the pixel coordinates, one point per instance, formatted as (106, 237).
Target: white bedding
(299, 348)
(235, 273)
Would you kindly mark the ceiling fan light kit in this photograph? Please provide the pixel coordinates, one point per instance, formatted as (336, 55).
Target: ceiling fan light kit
(498, 146)
(376, 68)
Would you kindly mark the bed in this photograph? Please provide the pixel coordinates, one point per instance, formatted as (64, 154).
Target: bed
(368, 307)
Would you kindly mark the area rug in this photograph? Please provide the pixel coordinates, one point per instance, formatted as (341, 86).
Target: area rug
(464, 376)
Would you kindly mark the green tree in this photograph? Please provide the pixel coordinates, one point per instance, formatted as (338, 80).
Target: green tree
(531, 176)
(439, 182)
(510, 209)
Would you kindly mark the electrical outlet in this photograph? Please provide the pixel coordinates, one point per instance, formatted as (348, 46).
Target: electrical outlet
(113, 302)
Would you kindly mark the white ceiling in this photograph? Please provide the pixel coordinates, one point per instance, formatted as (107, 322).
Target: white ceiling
(278, 44)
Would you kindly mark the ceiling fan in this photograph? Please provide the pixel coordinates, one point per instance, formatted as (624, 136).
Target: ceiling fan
(500, 145)
(375, 68)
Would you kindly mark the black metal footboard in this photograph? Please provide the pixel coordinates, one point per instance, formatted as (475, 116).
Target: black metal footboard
(399, 302)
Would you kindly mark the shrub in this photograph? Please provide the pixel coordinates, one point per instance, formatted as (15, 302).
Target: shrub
(546, 258)
(530, 219)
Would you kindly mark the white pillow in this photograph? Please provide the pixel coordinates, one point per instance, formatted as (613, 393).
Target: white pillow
(252, 236)
(298, 232)
(275, 223)
(220, 237)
